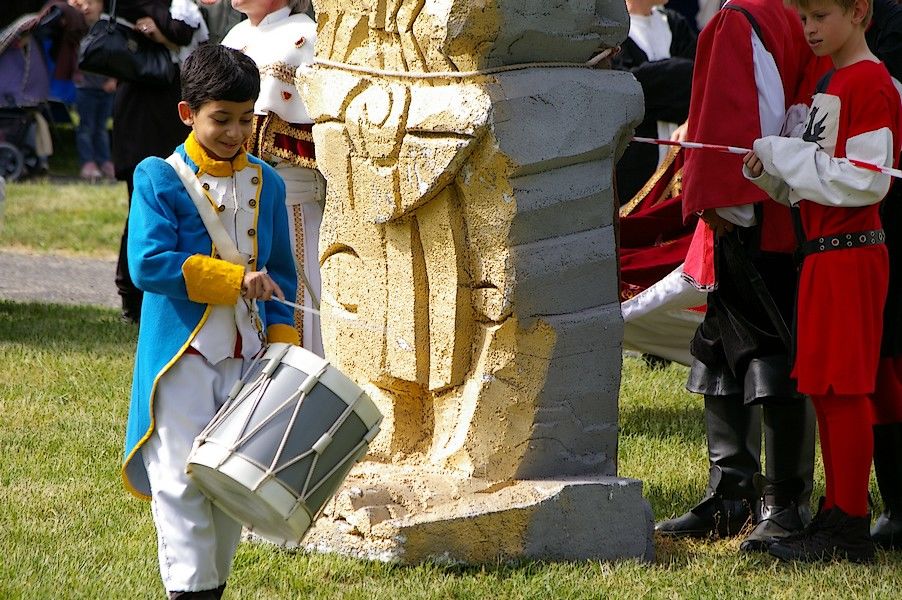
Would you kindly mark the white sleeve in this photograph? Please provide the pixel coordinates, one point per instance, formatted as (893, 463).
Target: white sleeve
(811, 174)
(774, 187)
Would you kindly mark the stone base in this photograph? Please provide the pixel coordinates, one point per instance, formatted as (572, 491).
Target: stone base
(601, 518)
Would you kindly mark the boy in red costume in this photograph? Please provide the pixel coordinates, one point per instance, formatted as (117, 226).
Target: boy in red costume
(855, 114)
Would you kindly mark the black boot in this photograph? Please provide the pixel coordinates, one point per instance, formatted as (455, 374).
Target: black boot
(887, 530)
(785, 493)
(129, 294)
(836, 536)
(734, 443)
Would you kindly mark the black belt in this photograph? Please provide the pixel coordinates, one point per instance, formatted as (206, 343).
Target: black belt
(843, 241)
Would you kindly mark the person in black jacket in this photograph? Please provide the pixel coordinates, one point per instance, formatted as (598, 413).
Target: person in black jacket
(145, 121)
(659, 52)
(884, 38)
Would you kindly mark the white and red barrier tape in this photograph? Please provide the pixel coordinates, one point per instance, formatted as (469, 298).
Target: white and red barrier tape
(736, 150)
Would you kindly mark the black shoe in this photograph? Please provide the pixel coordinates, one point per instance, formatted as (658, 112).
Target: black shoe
(887, 531)
(778, 515)
(215, 594)
(835, 536)
(655, 362)
(131, 306)
(812, 526)
(715, 516)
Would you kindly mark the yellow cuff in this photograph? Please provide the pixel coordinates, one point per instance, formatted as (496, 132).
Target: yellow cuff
(278, 332)
(211, 280)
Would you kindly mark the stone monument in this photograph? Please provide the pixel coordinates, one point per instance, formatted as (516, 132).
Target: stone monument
(469, 275)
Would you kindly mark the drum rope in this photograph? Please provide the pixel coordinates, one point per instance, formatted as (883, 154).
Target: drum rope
(590, 64)
(288, 429)
(303, 389)
(229, 406)
(348, 457)
(264, 385)
(330, 435)
(315, 460)
(265, 421)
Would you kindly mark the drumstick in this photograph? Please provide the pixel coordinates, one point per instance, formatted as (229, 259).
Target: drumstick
(401, 342)
(736, 150)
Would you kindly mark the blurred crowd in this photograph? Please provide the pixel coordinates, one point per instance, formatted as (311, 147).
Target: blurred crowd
(42, 87)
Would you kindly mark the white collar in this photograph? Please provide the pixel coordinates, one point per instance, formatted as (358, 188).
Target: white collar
(278, 15)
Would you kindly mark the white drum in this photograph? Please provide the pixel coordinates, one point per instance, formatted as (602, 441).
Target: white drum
(283, 443)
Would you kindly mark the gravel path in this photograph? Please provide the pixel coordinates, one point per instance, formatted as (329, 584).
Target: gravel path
(52, 279)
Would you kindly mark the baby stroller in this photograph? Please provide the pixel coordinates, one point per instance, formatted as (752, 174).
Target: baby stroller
(18, 157)
(24, 89)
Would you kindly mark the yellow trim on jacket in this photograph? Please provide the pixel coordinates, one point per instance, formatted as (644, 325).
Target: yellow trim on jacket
(211, 280)
(153, 416)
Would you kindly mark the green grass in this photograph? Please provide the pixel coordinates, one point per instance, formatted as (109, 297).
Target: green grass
(69, 530)
(72, 218)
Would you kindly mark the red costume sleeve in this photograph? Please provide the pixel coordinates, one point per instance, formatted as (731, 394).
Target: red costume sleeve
(723, 110)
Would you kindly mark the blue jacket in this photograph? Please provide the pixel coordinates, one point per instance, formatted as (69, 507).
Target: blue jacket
(172, 259)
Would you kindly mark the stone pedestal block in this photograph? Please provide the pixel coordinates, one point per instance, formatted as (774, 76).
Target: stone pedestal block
(592, 518)
(469, 272)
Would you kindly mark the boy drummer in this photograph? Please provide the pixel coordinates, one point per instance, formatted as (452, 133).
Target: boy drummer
(203, 317)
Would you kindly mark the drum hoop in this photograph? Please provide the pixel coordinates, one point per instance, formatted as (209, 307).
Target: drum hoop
(240, 469)
(350, 393)
(333, 379)
(225, 453)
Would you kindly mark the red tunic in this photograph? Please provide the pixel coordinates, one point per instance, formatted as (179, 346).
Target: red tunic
(842, 292)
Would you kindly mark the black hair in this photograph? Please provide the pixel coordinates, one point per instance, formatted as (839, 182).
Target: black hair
(214, 72)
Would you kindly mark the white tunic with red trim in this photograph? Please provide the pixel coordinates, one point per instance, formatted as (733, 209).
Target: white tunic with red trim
(857, 113)
(279, 44)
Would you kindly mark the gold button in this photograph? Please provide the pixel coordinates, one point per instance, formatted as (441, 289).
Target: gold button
(221, 208)
(250, 261)
(255, 180)
(252, 202)
(206, 186)
(252, 232)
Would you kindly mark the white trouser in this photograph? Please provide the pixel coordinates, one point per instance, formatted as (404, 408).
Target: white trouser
(303, 197)
(196, 540)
